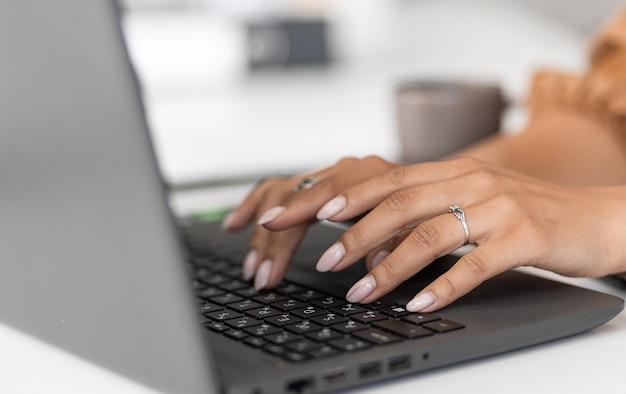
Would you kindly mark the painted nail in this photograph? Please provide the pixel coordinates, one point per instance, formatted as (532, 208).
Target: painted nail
(361, 289)
(421, 302)
(331, 208)
(380, 256)
(271, 214)
(331, 257)
(262, 275)
(227, 222)
(249, 265)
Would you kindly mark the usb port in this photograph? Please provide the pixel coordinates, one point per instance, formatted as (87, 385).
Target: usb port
(335, 375)
(399, 363)
(370, 370)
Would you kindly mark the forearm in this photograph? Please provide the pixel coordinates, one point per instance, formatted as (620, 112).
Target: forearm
(561, 147)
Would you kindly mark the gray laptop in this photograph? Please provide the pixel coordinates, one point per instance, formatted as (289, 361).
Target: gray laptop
(92, 260)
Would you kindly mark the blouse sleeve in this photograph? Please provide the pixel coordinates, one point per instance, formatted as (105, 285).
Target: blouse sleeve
(599, 92)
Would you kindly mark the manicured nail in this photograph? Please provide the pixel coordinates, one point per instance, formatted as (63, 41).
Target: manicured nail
(227, 222)
(421, 302)
(361, 289)
(380, 256)
(331, 257)
(249, 264)
(331, 208)
(262, 275)
(271, 214)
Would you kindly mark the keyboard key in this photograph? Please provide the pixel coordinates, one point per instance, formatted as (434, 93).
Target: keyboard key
(255, 341)
(303, 345)
(323, 335)
(234, 284)
(350, 344)
(328, 302)
(442, 326)
(323, 351)
(348, 309)
(276, 350)
(223, 315)
(208, 307)
(217, 326)
(295, 356)
(329, 318)
(349, 326)
(244, 305)
(394, 311)
(377, 337)
(368, 317)
(420, 318)
(308, 312)
(227, 298)
(236, 334)
(209, 292)
(303, 327)
(289, 288)
(269, 298)
(263, 312)
(243, 322)
(288, 304)
(212, 278)
(283, 320)
(262, 330)
(280, 338)
(307, 295)
(402, 328)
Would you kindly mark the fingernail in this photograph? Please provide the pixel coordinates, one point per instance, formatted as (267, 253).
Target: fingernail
(271, 214)
(249, 264)
(262, 275)
(227, 222)
(331, 257)
(331, 208)
(380, 256)
(421, 302)
(361, 289)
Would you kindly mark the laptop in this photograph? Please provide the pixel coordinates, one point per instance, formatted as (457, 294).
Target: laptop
(93, 261)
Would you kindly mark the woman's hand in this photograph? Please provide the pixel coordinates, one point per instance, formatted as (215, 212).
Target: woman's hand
(277, 205)
(513, 220)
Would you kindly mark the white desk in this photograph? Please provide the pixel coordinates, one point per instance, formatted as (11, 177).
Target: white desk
(323, 116)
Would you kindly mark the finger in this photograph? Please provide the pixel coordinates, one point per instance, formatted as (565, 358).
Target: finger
(304, 204)
(247, 210)
(403, 210)
(377, 255)
(274, 252)
(484, 262)
(364, 196)
(430, 240)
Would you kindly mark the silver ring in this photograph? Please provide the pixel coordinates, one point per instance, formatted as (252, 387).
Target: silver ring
(458, 212)
(306, 183)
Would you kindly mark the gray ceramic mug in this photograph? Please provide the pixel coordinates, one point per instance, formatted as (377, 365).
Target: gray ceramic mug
(436, 118)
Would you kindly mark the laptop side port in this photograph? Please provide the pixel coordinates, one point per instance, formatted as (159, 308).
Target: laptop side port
(335, 375)
(399, 363)
(300, 386)
(370, 370)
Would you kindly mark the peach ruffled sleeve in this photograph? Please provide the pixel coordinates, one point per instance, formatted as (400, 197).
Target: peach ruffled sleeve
(599, 92)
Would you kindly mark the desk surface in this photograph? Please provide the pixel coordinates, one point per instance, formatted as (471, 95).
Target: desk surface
(194, 142)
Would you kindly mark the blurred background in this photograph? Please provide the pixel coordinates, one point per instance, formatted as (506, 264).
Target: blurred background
(239, 89)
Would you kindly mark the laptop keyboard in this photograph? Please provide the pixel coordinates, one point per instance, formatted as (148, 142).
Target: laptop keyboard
(298, 323)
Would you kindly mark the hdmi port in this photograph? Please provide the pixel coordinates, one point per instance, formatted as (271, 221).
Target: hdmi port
(335, 375)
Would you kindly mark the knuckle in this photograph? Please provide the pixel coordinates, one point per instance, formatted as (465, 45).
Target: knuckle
(396, 176)
(447, 289)
(475, 264)
(485, 179)
(466, 162)
(425, 236)
(353, 238)
(399, 201)
(388, 271)
(348, 160)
